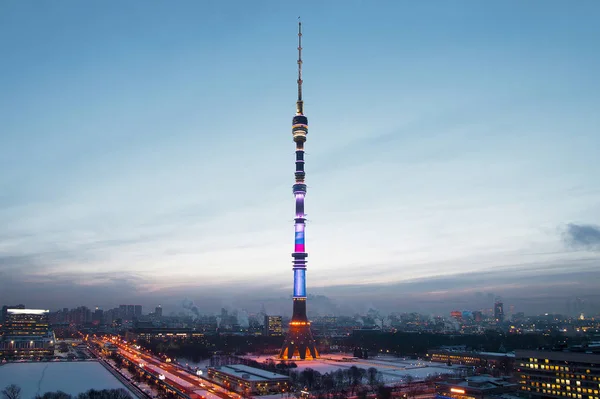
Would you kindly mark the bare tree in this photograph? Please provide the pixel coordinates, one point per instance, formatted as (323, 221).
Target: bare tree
(119, 393)
(61, 395)
(412, 388)
(373, 377)
(12, 392)
(54, 395)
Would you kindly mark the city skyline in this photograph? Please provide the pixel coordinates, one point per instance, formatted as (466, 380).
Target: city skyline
(145, 152)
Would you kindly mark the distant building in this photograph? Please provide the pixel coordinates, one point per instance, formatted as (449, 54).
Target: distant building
(97, 316)
(519, 316)
(553, 374)
(137, 311)
(162, 333)
(273, 326)
(499, 311)
(130, 312)
(26, 334)
(158, 311)
(249, 380)
(503, 361)
(456, 314)
(475, 387)
(366, 332)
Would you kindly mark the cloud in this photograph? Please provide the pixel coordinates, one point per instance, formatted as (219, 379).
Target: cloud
(533, 288)
(582, 236)
(54, 291)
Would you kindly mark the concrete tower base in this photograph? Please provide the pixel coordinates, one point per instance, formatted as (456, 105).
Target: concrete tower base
(299, 343)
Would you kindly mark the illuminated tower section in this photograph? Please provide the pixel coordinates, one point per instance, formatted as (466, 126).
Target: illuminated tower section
(299, 343)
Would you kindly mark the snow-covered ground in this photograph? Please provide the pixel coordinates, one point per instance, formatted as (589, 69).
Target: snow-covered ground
(151, 391)
(70, 377)
(393, 369)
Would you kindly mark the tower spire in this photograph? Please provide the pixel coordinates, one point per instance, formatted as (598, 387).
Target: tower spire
(299, 102)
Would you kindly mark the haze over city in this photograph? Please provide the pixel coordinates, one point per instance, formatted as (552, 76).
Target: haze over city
(146, 154)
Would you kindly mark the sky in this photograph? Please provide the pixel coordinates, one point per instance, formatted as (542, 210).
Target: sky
(146, 153)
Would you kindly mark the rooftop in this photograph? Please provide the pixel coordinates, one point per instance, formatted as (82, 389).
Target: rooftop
(499, 354)
(393, 369)
(27, 311)
(250, 373)
(481, 382)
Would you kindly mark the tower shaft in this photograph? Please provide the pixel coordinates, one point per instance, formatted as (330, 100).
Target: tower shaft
(299, 343)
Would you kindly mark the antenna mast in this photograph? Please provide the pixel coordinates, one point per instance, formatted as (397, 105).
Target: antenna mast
(299, 103)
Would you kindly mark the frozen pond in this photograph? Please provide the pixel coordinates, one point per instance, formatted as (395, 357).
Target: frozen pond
(70, 377)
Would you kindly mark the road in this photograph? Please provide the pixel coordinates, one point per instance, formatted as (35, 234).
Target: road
(174, 375)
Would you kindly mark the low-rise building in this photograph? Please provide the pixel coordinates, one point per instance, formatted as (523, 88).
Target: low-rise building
(476, 387)
(164, 333)
(505, 361)
(249, 380)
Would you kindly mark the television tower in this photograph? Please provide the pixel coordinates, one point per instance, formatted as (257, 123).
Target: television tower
(299, 343)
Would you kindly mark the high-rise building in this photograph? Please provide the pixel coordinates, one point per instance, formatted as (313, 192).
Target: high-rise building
(158, 311)
(499, 311)
(299, 342)
(130, 312)
(21, 322)
(97, 316)
(26, 334)
(122, 311)
(5, 311)
(273, 326)
(138, 311)
(559, 375)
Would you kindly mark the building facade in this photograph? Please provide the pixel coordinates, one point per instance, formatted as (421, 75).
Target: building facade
(553, 374)
(161, 333)
(499, 311)
(25, 322)
(273, 326)
(26, 334)
(249, 380)
(502, 361)
(476, 387)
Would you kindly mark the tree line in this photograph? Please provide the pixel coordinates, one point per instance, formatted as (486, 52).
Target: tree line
(14, 392)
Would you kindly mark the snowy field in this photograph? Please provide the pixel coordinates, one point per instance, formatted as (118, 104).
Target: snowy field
(70, 377)
(394, 370)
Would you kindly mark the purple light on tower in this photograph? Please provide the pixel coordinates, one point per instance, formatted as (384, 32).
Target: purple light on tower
(299, 343)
